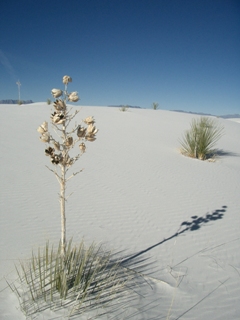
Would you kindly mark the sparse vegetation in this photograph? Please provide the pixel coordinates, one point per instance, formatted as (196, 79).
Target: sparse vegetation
(124, 108)
(49, 101)
(155, 105)
(199, 141)
(87, 278)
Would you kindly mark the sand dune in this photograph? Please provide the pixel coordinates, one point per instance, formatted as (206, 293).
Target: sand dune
(137, 194)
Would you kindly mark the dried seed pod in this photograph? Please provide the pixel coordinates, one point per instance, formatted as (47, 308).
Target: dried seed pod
(92, 129)
(49, 151)
(91, 132)
(56, 145)
(69, 141)
(67, 161)
(81, 131)
(56, 158)
(59, 105)
(73, 97)
(82, 147)
(56, 93)
(89, 120)
(67, 79)
(90, 137)
(45, 137)
(43, 127)
(58, 118)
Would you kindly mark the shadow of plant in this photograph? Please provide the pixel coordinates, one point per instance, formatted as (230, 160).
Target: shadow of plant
(197, 222)
(223, 153)
(193, 225)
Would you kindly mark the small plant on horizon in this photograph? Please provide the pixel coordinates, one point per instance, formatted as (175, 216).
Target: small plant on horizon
(155, 105)
(19, 85)
(20, 102)
(199, 141)
(124, 108)
(49, 101)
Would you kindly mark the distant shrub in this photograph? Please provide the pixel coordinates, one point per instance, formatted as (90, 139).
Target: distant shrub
(49, 101)
(124, 108)
(20, 102)
(155, 105)
(199, 140)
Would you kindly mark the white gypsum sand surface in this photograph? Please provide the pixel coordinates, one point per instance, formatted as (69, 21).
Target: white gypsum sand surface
(138, 195)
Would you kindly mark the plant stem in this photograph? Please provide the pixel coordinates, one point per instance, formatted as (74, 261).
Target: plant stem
(62, 195)
(63, 186)
(63, 217)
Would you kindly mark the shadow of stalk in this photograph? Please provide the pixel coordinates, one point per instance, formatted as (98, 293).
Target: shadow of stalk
(195, 224)
(143, 269)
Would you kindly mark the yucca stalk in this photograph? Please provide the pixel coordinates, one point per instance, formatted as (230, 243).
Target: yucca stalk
(62, 205)
(62, 161)
(63, 188)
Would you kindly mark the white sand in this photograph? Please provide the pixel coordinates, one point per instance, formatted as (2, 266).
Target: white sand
(234, 119)
(135, 191)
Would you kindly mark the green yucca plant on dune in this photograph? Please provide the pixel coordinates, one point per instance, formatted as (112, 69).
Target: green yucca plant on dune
(124, 108)
(155, 105)
(199, 141)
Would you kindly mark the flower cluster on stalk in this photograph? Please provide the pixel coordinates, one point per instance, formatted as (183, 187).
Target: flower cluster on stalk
(60, 118)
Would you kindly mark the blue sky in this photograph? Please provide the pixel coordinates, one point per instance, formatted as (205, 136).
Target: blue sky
(183, 54)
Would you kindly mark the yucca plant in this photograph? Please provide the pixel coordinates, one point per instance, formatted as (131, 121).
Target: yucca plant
(155, 105)
(70, 277)
(199, 141)
(124, 108)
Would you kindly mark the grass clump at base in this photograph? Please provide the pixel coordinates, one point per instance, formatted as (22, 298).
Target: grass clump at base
(85, 276)
(199, 140)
